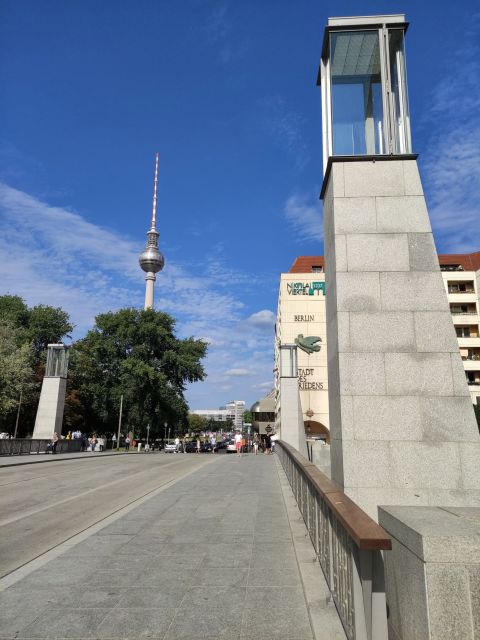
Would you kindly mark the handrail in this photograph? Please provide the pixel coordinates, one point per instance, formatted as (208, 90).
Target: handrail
(364, 531)
(348, 546)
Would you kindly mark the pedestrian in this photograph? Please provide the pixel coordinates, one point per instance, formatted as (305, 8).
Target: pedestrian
(198, 445)
(273, 439)
(55, 440)
(93, 442)
(268, 444)
(68, 436)
(255, 444)
(213, 442)
(177, 445)
(84, 441)
(238, 443)
(114, 441)
(127, 443)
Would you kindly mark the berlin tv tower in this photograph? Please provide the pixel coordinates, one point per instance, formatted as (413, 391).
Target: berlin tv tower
(151, 259)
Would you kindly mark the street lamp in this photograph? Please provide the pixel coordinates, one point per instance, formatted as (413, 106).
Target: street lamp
(148, 431)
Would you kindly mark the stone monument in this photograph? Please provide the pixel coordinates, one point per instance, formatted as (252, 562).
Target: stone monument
(52, 397)
(403, 430)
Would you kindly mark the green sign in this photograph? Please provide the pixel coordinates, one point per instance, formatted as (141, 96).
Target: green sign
(306, 288)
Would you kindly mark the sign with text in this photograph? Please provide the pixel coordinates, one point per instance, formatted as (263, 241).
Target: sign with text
(306, 288)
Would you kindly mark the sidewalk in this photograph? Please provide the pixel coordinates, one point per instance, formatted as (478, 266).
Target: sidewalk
(220, 554)
(34, 458)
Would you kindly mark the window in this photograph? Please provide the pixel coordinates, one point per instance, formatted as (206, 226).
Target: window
(317, 269)
(357, 106)
(463, 332)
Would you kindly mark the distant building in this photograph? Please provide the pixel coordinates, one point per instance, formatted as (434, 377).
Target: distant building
(263, 413)
(233, 411)
(461, 276)
(301, 317)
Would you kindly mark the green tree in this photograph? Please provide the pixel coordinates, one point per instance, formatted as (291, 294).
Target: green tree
(136, 354)
(16, 372)
(47, 325)
(197, 423)
(29, 330)
(247, 416)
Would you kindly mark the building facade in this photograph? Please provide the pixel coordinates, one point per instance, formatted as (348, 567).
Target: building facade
(233, 411)
(301, 321)
(301, 314)
(461, 277)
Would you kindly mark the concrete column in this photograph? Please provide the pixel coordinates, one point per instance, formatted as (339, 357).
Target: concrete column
(150, 281)
(401, 419)
(291, 418)
(50, 408)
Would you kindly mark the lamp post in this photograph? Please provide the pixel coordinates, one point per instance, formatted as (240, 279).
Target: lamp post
(18, 412)
(148, 431)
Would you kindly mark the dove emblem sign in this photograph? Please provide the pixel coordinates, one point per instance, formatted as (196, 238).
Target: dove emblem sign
(308, 343)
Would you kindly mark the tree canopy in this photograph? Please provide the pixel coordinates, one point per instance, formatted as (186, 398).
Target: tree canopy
(136, 354)
(24, 335)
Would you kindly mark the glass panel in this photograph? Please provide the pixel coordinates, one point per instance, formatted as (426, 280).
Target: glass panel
(57, 362)
(357, 109)
(398, 81)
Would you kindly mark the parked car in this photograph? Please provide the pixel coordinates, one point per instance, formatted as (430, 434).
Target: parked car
(231, 448)
(170, 447)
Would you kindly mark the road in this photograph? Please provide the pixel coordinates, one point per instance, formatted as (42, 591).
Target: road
(43, 505)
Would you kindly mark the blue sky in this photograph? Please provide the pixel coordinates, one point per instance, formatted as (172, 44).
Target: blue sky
(226, 92)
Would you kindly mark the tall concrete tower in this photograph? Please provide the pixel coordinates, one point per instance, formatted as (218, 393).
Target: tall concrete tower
(151, 259)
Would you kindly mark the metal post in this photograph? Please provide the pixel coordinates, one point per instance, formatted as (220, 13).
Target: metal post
(119, 422)
(148, 431)
(18, 412)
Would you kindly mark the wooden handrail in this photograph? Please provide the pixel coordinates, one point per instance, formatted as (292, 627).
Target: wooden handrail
(364, 531)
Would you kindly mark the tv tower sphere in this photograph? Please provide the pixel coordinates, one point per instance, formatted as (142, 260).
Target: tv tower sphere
(151, 259)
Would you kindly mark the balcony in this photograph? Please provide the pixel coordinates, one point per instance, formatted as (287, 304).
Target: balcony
(471, 365)
(462, 297)
(469, 343)
(461, 317)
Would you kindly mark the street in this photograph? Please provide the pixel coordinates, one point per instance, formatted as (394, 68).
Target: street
(42, 505)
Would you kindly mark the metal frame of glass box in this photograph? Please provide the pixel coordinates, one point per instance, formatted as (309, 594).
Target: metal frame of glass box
(363, 81)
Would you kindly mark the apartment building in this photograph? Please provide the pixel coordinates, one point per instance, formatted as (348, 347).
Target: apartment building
(461, 276)
(233, 411)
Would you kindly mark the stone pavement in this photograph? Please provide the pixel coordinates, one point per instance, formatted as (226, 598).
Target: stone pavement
(219, 554)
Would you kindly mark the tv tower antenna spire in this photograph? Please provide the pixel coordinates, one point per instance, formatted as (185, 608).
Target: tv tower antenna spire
(151, 259)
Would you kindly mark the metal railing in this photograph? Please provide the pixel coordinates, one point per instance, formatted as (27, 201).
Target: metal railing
(26, 446)
(348, 545)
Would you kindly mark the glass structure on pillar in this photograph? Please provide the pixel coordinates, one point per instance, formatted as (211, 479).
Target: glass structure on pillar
(57, 361)
(288, 361)
(364, 87)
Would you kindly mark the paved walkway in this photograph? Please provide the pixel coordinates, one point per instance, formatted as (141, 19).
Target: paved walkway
(219, 554)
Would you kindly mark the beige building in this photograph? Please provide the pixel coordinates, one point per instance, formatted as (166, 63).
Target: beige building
(301, 314)
(461, 276)
(301, 321)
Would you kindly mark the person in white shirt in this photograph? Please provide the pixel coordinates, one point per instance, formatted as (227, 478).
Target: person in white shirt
(238, 443)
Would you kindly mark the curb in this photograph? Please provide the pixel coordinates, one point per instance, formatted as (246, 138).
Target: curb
(58, 459)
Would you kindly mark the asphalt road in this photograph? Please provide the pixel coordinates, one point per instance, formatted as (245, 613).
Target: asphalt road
(43, 505)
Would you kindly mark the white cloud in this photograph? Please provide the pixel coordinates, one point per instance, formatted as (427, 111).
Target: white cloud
(264, 319)
(53, 255)
(305, 217)
(234, 373)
